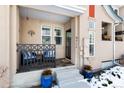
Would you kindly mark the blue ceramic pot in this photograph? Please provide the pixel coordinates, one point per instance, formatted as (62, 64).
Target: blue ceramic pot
(87, 74)
(46, 81)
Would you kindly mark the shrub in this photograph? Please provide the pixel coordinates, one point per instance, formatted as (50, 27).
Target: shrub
(47, 72)
(87, 67)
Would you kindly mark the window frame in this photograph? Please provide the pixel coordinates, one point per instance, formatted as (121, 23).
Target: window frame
(119, 35)
(57, 35)
(47, 26)
(92, 43)
(94, 25)
(107, 31)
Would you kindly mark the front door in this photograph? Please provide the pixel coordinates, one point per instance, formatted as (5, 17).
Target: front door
(68, 44)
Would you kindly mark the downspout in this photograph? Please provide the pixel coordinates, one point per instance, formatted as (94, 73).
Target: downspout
(115, 24)
(118, 20)
(114, 62)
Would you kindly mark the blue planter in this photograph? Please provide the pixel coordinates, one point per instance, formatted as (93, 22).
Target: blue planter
(87, 74)
(46, 81)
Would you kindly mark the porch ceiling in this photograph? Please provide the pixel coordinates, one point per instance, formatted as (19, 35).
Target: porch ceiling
(65, 10)
(42, 15)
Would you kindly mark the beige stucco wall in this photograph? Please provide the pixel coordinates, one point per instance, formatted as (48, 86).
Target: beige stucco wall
(119, 45)
(103, 49)
(67, 25)
(9, 26)
(119, 48)
(121, 11)
(35, 25)
(4, 46)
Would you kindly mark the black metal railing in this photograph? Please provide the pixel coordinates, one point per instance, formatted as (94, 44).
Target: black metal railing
(36, 56)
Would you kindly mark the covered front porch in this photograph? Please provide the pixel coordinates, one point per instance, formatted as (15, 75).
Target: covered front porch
(46, 39)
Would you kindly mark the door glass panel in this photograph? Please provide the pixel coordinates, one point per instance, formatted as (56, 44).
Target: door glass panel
(68, 44)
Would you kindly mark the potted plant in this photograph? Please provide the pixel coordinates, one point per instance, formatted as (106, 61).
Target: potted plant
(46, 78)
(87, 71)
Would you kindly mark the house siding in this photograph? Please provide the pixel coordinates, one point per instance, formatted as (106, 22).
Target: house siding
(103, 49)
(119, 45)
(4, 46)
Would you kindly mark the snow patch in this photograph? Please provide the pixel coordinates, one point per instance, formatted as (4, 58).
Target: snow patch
(113, 78)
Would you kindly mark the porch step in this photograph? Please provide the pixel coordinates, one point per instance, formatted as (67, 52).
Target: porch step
(26, 79)
(65, 68)
(70, 78)
(32, 78)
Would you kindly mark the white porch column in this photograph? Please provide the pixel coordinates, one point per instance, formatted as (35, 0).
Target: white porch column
(4, 46)
(75, 41)
(14, 38)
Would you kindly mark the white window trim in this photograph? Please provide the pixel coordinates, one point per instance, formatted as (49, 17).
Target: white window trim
(94, 25)
(46, 35)
(56, 35)
(92, 44)
(111, 38)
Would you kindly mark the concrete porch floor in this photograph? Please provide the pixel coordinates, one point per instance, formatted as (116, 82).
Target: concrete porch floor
(59, 63)
(63, 62)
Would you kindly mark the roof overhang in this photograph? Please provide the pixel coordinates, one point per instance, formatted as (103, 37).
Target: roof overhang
(66, 10)
(112, 14)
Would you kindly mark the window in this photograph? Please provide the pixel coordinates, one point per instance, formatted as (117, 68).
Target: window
(106, 31)
(46, 35)
(58, 37)
(119, 33)
(92, 25)
(91, 43)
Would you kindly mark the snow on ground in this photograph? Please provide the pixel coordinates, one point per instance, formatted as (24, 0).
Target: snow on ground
(113, 78)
